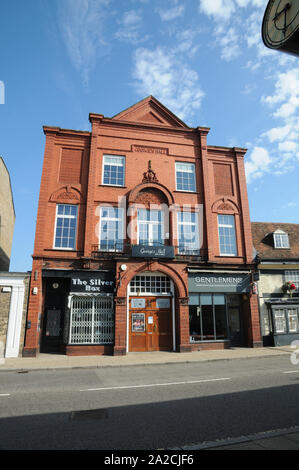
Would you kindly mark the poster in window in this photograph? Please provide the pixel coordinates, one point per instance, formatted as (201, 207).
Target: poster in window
(138, 322)
(138, 303)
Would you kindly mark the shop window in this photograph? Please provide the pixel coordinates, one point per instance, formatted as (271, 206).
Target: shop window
(286, 320)
(91, 320)
(65, 227)
(185, 176)
(111, 229)
(227, 235)
(113, 170)
(208, 317)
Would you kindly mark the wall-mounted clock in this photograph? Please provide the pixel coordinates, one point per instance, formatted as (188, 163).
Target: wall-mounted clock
(280, 29)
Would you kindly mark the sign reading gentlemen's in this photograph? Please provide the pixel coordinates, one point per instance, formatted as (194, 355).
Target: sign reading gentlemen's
(103, 282)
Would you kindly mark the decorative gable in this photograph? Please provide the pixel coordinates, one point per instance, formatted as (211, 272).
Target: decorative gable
(150, 111)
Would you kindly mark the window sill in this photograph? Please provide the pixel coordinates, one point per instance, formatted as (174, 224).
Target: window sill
(62, 249)
(185, 191)
(112, 185)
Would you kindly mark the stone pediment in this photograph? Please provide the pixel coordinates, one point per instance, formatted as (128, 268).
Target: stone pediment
(66, 195)
(150, 111)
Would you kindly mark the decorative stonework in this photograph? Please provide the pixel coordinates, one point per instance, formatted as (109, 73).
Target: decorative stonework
(66, 194)
(183, 300)
(150, 196)
(225, 207)
(149, 176)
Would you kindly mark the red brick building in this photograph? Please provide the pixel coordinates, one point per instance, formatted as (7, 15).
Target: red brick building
(143, 240)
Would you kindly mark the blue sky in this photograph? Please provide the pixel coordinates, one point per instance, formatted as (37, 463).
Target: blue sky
(203, 59)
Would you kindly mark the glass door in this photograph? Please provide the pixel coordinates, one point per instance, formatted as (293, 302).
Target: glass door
(234, 320)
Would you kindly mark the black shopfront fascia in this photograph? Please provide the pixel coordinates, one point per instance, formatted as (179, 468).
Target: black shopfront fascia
(85, 281)
(58, 285)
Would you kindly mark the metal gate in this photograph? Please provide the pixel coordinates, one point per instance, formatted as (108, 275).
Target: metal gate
(91, 320)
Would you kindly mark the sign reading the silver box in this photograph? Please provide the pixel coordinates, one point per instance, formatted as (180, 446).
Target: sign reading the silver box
(146, 251)
(219, 282)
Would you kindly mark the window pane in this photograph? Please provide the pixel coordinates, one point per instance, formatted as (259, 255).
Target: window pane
(66, 223)
(280, 321)
(207, 322)
(293, 319)
(188, 231)
(220, 319)
(185, 177)
(281, 240)
(111, 229)
(227, 235)
(113, 170)
(194, 323)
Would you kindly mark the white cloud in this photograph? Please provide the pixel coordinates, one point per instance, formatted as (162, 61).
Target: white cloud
(162, 73)
(288, 146)
(171, 13)
(259, 162)
(218, 9)
(131, 28)
(277, 133)
(81, 24)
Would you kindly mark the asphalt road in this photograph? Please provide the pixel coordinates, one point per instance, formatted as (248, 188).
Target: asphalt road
(147, 407)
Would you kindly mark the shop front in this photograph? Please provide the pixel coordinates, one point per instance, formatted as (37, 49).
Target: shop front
(78, 312)
(218, 309)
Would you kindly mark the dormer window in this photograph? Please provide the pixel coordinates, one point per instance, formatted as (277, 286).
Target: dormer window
(281, 239)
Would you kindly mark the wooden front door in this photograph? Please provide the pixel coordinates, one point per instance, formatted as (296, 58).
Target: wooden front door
(150, 324)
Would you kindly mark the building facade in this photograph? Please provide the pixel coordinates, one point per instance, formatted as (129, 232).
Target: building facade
(143, 240)
(14, 288)
(277, 246)
(7, 217)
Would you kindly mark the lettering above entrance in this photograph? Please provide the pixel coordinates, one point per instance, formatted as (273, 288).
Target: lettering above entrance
(93, 282)
(219, 282)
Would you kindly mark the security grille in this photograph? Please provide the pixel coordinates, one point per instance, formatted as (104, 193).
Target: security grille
(150, 284)
(92, 320)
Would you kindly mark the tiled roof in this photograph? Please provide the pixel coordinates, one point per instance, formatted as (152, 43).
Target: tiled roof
(262, 234)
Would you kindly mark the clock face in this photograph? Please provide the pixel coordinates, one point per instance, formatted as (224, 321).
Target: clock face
(281, 21)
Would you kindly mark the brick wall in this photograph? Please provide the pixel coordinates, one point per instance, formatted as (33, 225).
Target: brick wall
(145, 132)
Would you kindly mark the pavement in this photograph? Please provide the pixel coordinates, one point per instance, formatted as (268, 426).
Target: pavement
(279, 439)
